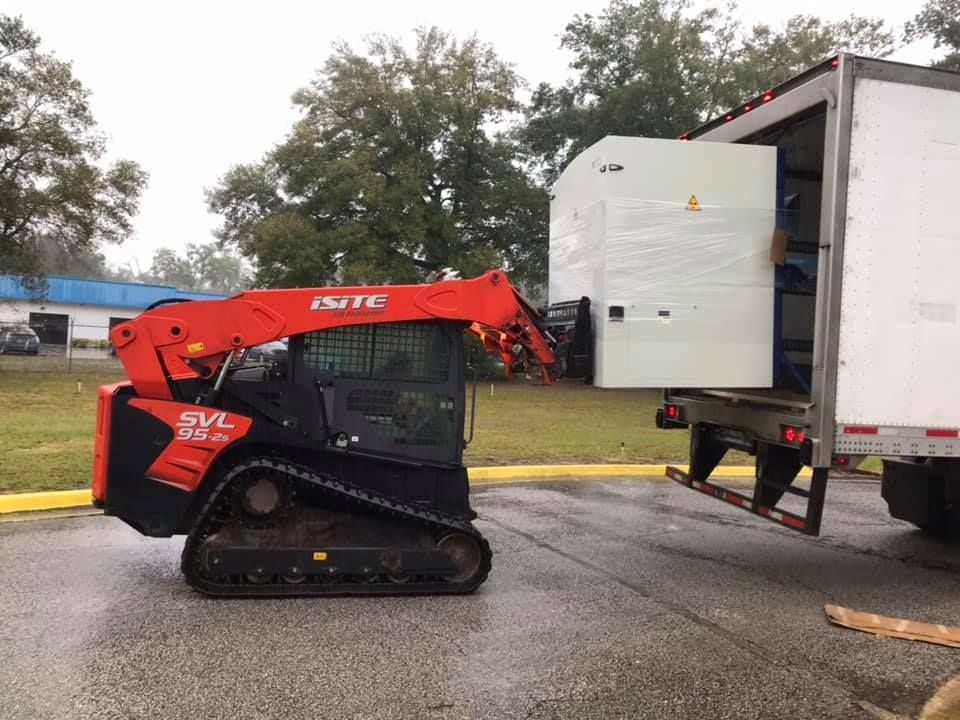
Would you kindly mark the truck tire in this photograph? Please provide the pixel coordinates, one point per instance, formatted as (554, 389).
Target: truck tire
(926, 494)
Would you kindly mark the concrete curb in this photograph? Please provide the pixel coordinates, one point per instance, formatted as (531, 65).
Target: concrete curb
(489, 475)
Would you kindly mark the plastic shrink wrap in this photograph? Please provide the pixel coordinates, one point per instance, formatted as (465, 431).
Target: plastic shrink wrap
(681, 290)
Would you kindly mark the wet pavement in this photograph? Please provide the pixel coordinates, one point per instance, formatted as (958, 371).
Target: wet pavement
(608, 599)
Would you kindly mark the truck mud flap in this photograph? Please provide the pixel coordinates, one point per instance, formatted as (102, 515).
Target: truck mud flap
(925, 494)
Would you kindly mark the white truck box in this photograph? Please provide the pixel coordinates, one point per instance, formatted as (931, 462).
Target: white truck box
(671, 242)
(899, 329)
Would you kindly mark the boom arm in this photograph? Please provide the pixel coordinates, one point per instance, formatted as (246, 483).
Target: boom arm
(195, 338)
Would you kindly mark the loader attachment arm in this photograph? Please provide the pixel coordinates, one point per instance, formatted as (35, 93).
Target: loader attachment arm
(194, 339)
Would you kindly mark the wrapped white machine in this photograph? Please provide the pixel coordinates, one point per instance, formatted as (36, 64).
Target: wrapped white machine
(671, 242)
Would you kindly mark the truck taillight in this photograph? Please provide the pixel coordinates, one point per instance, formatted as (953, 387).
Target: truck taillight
(672, 411)
(841, 460)
(793, 435)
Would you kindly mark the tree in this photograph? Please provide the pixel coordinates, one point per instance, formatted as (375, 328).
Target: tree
(170, 268)
(394, 168)
(85, 263)
(641, 69)
(939, 19)
(204, 267)
(217, 269)
(655, 68)
(768, 57)
(51, 182)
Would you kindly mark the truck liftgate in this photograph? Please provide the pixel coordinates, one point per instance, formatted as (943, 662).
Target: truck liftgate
(808, 524)
(777, 469)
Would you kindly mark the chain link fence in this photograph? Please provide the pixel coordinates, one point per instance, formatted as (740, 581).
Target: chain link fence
(68, 346)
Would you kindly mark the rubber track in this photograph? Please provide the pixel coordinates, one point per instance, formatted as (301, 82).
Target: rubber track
(437, 522)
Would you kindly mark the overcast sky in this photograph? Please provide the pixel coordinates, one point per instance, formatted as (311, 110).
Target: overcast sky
(189, 88)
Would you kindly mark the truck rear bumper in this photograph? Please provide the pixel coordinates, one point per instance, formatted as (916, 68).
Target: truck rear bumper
(762, 418)
(896, 441)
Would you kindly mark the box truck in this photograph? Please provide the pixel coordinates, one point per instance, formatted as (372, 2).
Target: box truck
(790, 273)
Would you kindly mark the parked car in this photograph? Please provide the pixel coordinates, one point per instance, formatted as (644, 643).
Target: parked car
(18, 339)
(275, 351)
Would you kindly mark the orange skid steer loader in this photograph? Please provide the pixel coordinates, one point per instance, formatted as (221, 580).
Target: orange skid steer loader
(337, 470)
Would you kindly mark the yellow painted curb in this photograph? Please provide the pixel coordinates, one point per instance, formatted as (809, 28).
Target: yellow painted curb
(507, 473)
(490, 475)
(26, 502)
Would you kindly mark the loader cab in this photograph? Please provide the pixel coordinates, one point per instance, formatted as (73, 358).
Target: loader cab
(392, 389)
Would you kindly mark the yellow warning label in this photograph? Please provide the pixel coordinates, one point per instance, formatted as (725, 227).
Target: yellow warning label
(320, 556)
(693, 203)
(195, 347)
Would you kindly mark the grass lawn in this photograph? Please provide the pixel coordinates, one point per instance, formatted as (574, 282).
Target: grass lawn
(569, 422)
(46, 441)
(47, 438)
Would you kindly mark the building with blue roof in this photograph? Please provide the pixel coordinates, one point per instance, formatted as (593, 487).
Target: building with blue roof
(79, 308)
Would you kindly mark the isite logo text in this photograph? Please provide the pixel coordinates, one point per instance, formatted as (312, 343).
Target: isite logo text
(349, 302)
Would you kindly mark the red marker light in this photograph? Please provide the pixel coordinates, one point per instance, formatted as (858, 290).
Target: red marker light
(841, 460)
(673, 411)
(834, 63)
(684, 137)
(747, 108)
(768, 96)
(728, 117)
(793, 435)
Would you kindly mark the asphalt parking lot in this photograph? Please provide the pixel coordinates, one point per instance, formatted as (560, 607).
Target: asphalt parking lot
(608, 599)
